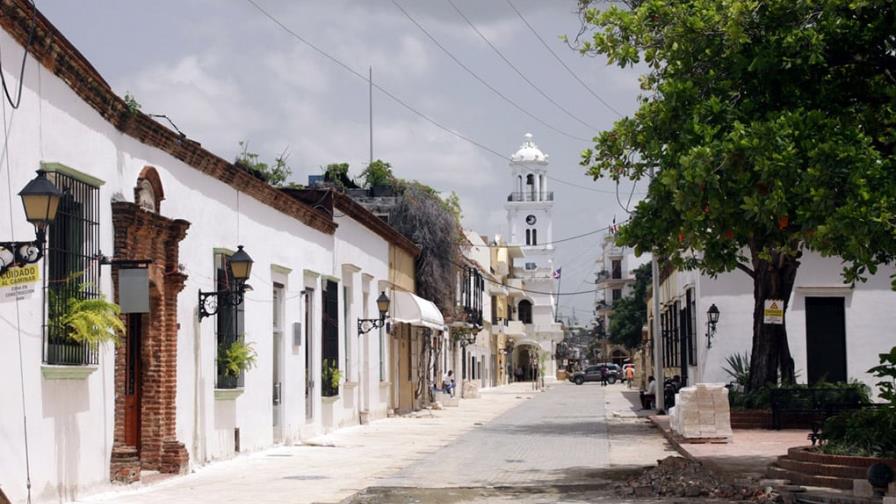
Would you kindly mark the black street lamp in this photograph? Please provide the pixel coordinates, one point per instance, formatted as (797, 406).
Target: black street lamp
(240, 265)
(40, 197)
(712, 318)
(367, 325)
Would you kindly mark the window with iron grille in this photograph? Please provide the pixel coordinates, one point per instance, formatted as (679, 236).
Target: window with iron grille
(692, 326)
(229, 323)
(72, 267)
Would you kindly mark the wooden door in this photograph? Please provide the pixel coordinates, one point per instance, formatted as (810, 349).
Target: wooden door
(133, 383)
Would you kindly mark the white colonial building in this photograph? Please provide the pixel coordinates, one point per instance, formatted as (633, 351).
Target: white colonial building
(150, 219)
(835, 331)
(532, 287)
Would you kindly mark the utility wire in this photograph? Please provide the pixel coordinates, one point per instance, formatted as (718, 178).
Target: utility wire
(517, 70)
(18, 101)
(374, 84)
(481, 80)
(401, 102)
(548, 47)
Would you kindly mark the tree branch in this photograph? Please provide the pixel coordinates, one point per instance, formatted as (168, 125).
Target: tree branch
(746, 269)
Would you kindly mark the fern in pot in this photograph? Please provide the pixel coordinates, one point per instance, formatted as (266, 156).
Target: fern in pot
(85, 319)
(233, 360)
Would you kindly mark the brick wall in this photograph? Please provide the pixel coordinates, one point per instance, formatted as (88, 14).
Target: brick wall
(140, 234)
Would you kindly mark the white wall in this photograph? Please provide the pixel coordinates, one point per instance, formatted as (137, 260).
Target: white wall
(70, 423)
(868, 309)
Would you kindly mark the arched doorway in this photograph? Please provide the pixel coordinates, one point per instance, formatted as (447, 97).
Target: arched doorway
(525, 362)
(524, 311)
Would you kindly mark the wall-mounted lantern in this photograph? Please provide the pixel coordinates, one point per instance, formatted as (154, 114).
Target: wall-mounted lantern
(240, 269)
(367, 325)
(40, 197)
(712, 318)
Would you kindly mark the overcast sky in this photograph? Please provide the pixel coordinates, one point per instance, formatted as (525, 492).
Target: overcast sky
(224, 73)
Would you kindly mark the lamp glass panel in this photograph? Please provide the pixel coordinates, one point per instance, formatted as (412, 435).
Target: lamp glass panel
(40, 208)
(240, 269)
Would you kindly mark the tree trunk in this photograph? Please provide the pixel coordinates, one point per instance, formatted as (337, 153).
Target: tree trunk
(770, 359)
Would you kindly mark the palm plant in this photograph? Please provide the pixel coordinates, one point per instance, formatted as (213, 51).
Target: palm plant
(738, 368)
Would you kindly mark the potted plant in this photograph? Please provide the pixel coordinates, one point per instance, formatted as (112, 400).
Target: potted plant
(87, 319)
(331, 377)
(233, 360)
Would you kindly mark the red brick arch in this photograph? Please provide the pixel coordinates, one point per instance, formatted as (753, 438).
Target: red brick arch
(144, 235)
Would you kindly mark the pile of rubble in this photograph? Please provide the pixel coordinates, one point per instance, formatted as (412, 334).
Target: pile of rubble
(680, 477)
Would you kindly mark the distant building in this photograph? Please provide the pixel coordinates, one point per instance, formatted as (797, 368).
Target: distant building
(532, 285)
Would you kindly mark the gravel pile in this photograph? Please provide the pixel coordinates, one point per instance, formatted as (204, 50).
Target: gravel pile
(680, 477)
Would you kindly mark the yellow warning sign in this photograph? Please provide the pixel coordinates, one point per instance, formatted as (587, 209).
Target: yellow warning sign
(18, 276)
(774, 311)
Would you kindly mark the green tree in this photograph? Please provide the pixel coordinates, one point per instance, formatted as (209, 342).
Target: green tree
(630, 313)
(337, 173)
(377, 173)
(772, 127)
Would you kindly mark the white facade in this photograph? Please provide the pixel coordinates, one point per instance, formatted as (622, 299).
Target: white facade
(533, 285)
(866, 328)
(615, 277)
(71, 422)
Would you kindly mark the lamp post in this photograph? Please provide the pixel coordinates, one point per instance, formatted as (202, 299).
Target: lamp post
(712, 318)
(240, 265)
(367, 325)
(40, 197)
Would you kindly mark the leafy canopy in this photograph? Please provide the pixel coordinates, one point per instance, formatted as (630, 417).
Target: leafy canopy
(772, 125)
(377, 173)
(630, 312)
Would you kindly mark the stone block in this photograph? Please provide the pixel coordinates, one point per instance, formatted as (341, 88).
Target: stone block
(862, 488)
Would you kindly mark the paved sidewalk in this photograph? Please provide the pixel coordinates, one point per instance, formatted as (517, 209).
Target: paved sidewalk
(306, 474)
(750, 452)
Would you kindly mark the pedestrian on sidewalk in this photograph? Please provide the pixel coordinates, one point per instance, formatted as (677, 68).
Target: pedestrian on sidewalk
(603, 376)
(630, 375)
(649, 396)
(448, 383)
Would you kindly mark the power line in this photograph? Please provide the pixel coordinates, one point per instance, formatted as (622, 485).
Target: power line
(401, 102)
(517, 70)
(481, 80)
(576, 77)
(375, 85)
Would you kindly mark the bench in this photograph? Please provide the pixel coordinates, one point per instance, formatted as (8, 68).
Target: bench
(812, 405)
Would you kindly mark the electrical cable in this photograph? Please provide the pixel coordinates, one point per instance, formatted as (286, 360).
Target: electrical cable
(379, 88)
(401, 102)
(18, 101)
(483, 81)
(517, 70)
(18, 325)
(569, 70)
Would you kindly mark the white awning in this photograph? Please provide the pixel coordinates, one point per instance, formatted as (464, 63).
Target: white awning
(414, 310)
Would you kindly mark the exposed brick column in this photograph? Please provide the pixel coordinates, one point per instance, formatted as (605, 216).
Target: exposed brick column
(140, 234)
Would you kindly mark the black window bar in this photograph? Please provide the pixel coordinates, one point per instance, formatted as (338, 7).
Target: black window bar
(72, 268)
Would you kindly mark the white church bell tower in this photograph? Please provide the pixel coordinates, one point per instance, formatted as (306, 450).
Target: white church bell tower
(529, 208)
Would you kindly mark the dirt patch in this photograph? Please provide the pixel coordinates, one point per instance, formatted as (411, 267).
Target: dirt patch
(680, 477)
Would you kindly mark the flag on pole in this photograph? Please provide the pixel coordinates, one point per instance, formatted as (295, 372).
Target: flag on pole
(557, 274)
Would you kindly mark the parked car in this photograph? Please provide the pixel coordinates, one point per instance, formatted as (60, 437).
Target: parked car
(592, 373)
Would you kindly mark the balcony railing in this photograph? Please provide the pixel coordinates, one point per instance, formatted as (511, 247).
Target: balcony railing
(531, 196)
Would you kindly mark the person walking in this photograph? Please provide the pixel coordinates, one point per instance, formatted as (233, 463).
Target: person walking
(603, 376)
(630, 375)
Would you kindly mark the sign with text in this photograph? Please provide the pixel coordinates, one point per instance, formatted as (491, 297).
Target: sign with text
(773, 312)
(19, 283)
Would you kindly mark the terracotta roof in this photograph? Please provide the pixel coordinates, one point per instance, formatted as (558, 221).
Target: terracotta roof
(323, 200)
(52, 50)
